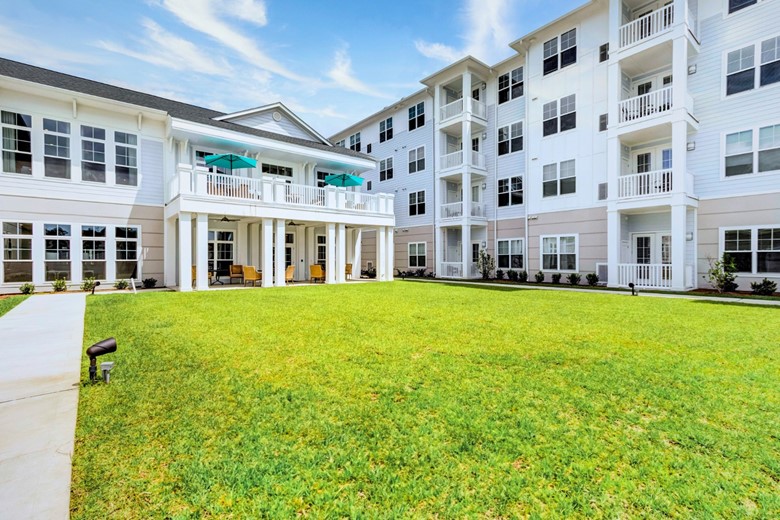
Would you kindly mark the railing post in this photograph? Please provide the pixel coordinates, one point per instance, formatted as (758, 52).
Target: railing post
(330, 197)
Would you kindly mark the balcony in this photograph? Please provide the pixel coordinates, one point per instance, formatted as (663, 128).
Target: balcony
(646, 27)
(454, 210)
(645, 106)
(455, 160)
(645, 184)
(456, 108)
(645, 276)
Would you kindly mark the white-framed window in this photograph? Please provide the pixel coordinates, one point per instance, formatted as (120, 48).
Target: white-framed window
(386, 130)
(17, 142)
(416, 116)
(737, 5)
(559, 253)
(550, 118)
(341, 143)
(417, 160)
(568, 112)
(752, 151)
(417, 256)
(93, 252)
(56, 149)
(742, 64)
(552, 123)
(322, 250)
(321, 178)
(127, 242)
(17, 252)
(416, 203)
(126, 159)
(57, 251)
(276, 169)
(754, 249)
(510, 85)
(553, 59)
(93, 154)
(386, 169)
(770, 61)
(369, 185)
(510, 138)
(510, 254)
(559, 179)
(510, 191)
(354, 142)
(220, 251)
(200, 160)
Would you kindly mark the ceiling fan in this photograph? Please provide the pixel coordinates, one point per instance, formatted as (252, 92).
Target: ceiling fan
(225, 219)
(292, 223)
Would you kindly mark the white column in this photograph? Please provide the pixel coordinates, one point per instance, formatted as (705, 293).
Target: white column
(615, 20)
(76, 252)
(465, 248)
(330, 275)
(341, 253)
(169, 252)
(614, 91)
(679, 66)
(311, 253)
(39, 257)
(679, 155)
(439, 245)
(242, 232)
(349, 238)
(381, 253)
(390, 254)
(357, 261)
(300, 254)
(280, 242)
(679, 214)
(613, 247)
(202, 251)
(255, 231)
(268, 259)
(185, 251)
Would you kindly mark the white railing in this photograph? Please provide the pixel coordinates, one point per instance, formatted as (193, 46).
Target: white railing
(478, 108)
(361, 201)
(220, 185)
(302, 194)
(651, 276)
(452, 109)
(647, 26)
(451, 270)
(478, 159)
(477, 210)
(638, 107)
(692, 22)
(452, 160)
(644, 184)
(452, 210)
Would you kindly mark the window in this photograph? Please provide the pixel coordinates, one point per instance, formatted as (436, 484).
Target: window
(769, 148)
(510, 191)
(93, 252)
(17, 252)
(321, 178)
(416, 203)
(510, 254)
(275, 169)
(341, 143)
(510, 138)
(56, 149)
(736, 5)
(739, 153)
(57, 256)
(550, 118)
(559, 253)
(368, 148)
(126, 159)
(417, 160)
(17, 148)
(126, 252)
(559, 179)
(220, 251)
(386, 169)
(417, 254)
(753, 250)
(510, 85)
(604, 53)
(568, 113)
(93, 154)
(200, 160)
(768, 251)
(740, 72)
(386, 130)
(354, 142)
(770, 61)
(553, 60)
(603, 122)
(368, 185)
(737, 246)
(416, 116)
(322, 250)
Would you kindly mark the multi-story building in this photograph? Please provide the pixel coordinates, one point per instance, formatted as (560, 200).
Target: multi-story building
(103, 182)
(637, 140)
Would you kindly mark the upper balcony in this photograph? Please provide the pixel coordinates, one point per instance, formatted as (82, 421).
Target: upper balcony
(654, 104)
(646, 24)
(451, 114)
(454, 211)
(649, 184)
(455, 162)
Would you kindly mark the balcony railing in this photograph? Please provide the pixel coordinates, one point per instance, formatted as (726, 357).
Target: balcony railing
(646, 105)
(478, 108)
(647, 26)
(456, 108)
(455, 210)
(452, 109)
(644, 184)
(478, 159)
(451, 270)
(455, 160)
(649, 276)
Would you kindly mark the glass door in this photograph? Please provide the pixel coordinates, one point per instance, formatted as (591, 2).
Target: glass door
(643, 255)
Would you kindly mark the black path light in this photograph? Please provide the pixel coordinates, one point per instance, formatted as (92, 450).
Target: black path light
(100, 348)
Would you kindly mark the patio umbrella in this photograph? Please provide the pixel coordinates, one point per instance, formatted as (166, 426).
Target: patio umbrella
(343, 180)
(230, 160)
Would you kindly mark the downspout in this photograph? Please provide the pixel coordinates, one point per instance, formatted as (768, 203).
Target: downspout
(526, 184)
(437, 260)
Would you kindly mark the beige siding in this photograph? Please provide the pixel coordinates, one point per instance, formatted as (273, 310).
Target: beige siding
(589, 224)
(414, 234)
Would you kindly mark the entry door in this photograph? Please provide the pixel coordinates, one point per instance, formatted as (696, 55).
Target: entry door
(643, 255)
(644, 163)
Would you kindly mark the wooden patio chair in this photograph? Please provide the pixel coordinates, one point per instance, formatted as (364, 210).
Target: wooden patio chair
(194, 272)
(316, 272)
(348, 271)
(289, 273)
(251, 275)
(236, 272)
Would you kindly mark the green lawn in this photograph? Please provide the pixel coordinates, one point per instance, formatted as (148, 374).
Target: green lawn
(9, 302)
(420, 400)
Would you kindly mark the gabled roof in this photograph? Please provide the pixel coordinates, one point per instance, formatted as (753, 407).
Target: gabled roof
(277, 107)
(175, 109)
(468, 61)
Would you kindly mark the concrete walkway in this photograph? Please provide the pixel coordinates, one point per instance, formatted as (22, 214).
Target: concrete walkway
(40, 350)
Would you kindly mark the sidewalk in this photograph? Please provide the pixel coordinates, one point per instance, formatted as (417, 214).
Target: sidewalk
(40, 347)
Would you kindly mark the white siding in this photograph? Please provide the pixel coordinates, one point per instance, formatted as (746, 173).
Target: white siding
(265, 121)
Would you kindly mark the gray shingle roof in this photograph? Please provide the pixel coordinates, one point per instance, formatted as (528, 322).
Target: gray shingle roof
(176, 109)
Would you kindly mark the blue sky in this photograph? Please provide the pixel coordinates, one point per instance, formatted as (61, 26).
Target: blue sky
(333, 63)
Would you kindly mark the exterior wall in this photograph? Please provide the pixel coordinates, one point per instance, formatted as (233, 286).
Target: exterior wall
(404, 237)
(368, 249)
(590, 227)
(265, 121)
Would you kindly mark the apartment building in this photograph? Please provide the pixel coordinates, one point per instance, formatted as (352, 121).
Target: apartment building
(108, 183)
(638, 140)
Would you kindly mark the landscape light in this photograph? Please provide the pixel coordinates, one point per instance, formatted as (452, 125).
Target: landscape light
(100, 348)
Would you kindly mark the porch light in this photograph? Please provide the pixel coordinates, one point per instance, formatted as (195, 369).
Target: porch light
(691, 146)
(688, 236)
(100, 348)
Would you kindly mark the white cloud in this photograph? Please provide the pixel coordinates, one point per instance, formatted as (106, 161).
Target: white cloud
(252, 11)
(342, 75)
(438, 51)
(15, 45)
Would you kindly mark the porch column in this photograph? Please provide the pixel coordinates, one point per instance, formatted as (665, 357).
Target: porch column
(349, 239)
(679, 217)
(280, 243)
(390, 255)
(185, 251)
(268, 259)
(330, 275)
(439, 245)
(679, 155)
(465, 241)
(381, 253)
(613, 247)
(202, 251)
(311, 253)
(357, 261)
(169, 252)
(255, 231)
(242, 234)
(300, 253)
(341, 253)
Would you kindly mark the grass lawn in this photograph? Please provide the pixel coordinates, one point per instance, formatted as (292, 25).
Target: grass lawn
(9, 302)
(421, 400)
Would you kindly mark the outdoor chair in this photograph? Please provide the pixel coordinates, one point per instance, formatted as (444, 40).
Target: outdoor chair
(348, 271)
(194, 272)
(316, 272)
(289, 273)
(236, 272)
(251, 275)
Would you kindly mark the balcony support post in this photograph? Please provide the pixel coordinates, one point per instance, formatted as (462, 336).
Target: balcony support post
(185, 251)
(268, 248)
(330, 263)
(202, 251)
(281, 266)
(613, 247)
(679, 216)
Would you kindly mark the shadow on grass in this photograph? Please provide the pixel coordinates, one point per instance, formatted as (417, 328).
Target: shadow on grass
(742, 303)
(485, 287)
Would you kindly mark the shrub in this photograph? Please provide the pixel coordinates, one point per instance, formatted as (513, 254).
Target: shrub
(556, 278)
(485, 264)
(512, 275)
(59, 285)
(522, 276)
(499, 274)
(574, 278)
(121, 285)
(149, 283)
(765, 287)
(420, 273)
(592, 279)
(27, 288)
(88, 284)
(539, 277)
(721, 274)
(371, 273)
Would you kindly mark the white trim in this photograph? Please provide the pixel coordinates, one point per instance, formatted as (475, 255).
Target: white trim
(558, 252)
(274, 106)
(753, 246)
(753, 150)
(425, 158)
(524, 267)
(756, 44)
(408, 255)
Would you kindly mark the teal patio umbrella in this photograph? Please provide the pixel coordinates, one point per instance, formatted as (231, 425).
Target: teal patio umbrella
(343, 180)
(231, 161)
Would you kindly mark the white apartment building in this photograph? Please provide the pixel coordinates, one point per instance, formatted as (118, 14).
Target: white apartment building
(635, 139)
(103, 182)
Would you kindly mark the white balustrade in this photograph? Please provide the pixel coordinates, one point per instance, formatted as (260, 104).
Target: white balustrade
(452, 160)
(478, 108)
(477, 210)
(220, 185)
(452, 210)
(649, 276)
(452, 109)
(647, 26)
(361, 201)
(638, 107)
(451, 270)
(478, 160)
(644, 184)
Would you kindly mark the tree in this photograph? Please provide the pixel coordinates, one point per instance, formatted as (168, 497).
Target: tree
(485, 264)
(721, 274)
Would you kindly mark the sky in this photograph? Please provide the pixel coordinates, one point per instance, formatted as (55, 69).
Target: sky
(331, 62)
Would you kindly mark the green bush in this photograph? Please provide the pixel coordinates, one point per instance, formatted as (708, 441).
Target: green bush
(765, 287)
(522, 276)
(574, 278)
(499, 274)
(27, 288)
(121, 285)
(592, 279)
(59, 285)
(556, 277)
(149, 283)
(539, 277)
(88, 284)
(485, 264)
(721, 274)
(512, 275)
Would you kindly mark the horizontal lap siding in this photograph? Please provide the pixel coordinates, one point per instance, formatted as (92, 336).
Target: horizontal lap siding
(589, 224)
